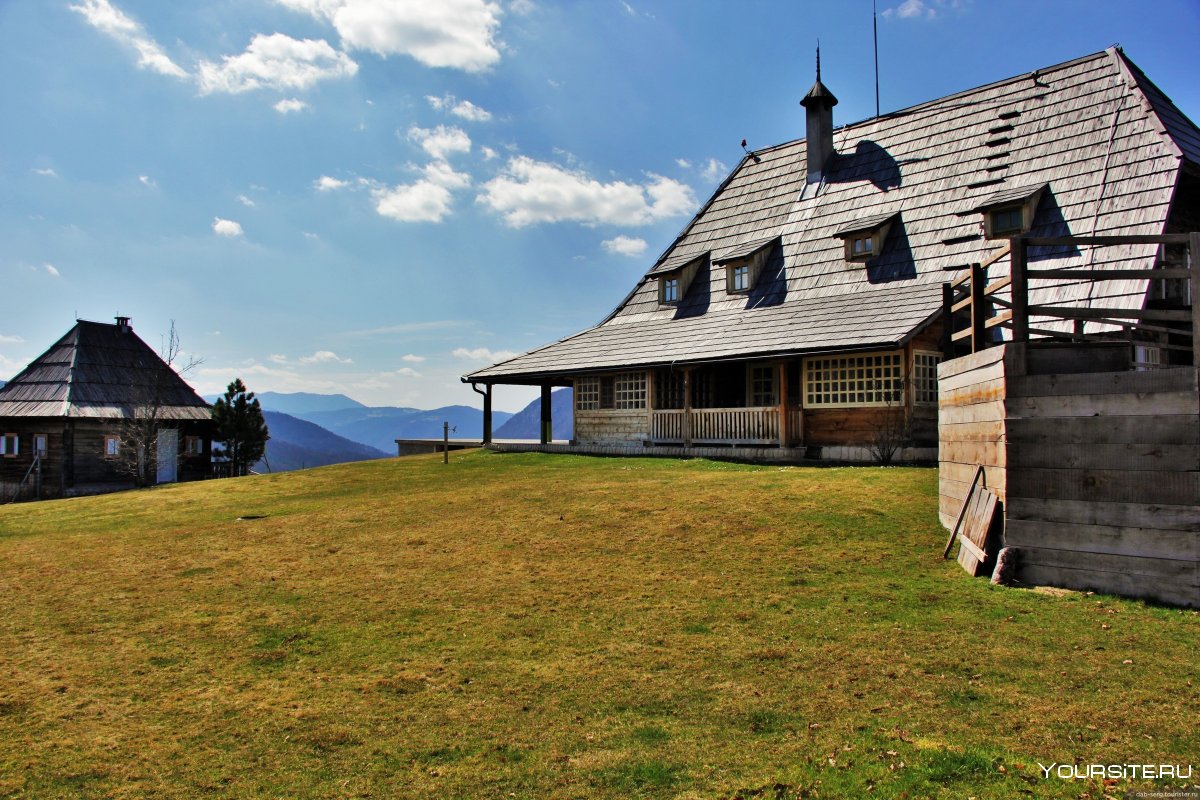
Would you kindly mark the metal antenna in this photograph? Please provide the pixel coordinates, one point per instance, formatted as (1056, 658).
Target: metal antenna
(875, 32)
(818, 60)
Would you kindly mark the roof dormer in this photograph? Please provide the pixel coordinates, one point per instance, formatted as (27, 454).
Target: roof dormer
(675, 275)
(1010, 212)
(864, 238)
(744, 263)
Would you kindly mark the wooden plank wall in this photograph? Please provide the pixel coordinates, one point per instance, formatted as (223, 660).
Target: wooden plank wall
(970, 427)
(1104, 481)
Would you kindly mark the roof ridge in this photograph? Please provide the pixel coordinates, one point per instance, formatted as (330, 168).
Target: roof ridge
(1136, 78)
(68, 400)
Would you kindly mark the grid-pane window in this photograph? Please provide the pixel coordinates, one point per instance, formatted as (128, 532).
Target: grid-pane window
(862, 245)
(587, 394)
(762, 385)
(866, 379)
(924, 377)
(1007, 220)
(670, 290)
(629, 390)
(668, 389)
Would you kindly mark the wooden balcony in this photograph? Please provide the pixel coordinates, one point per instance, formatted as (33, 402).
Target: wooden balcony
(757, 425)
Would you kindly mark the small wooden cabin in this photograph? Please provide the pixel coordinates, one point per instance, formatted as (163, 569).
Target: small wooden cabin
(64, 417)
(802, 312)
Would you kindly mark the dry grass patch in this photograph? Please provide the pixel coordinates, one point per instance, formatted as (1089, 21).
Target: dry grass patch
(531, 626)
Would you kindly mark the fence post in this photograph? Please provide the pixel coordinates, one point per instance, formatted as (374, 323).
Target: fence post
(1194, 258)
(1018, 261)
(978, 320)
(947, 321)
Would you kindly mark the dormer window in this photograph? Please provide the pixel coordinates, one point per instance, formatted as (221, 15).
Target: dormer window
(864, 238)
(674, 275)
(744, 263)
(1009, 213)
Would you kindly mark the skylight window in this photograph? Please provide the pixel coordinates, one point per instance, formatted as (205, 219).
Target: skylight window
(865, 238)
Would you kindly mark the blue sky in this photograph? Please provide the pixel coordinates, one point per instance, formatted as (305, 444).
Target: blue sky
(377, 196)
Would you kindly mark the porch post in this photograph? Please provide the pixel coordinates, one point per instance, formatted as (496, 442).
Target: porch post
(650, 401)
(785, 423)
(487, 413)
(547, 422)
(687, 406)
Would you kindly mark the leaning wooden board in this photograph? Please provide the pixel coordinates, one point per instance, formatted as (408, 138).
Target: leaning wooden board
(974, 533)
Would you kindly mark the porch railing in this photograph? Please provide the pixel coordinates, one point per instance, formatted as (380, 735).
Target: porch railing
(753, 425)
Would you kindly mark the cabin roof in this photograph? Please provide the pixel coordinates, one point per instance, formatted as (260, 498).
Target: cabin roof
(1104, 140)
(101, 371)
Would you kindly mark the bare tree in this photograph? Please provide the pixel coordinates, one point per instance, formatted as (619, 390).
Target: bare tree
(139, 431)
(892, 427)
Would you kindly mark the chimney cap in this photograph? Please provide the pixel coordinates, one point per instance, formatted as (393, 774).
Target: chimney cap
(123, 322)
(819, 95)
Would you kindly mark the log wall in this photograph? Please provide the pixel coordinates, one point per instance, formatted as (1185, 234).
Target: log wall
(1099, 471)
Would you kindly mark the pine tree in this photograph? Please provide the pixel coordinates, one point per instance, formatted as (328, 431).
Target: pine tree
(240, 427)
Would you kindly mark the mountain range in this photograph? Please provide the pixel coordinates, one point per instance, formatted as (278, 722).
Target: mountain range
(297, 444)
(527, 423)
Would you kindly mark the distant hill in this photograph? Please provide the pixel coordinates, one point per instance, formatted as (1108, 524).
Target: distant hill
(297, 444)
(299, 404)
(527, 423)
(380, 427)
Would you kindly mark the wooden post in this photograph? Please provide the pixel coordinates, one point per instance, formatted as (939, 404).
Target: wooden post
(1194, 257)
(785, 424)
(978, 321)
(650, 403)
(547, 422)
(947, 321)
(487, 413)
(445, 442)
(1018, 263)
(687, 406)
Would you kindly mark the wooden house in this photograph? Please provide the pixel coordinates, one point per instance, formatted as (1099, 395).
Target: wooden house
(802, 312)
(65, 420)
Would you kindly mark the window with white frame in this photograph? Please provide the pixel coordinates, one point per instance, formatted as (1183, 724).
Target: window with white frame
(924, 377)
(41, 444)
(670, 290)
(112, 446)
(10, 445)
(193, 446)
(739, 278)
(626, 390)
(762, 385)
(862, 379)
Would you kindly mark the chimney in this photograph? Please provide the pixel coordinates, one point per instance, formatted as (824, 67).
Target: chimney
(123, 324)
(818, 105)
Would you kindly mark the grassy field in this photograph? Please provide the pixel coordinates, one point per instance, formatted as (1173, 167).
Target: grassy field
(525, 626)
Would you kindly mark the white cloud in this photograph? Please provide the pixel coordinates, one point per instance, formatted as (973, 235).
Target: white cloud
(410, 358)
(408, 372)
(146, 180)
(483, 354)
(289, 105)
(426, 200)
(47, 172)
(625, 246)
(522, 7)
(278, 358)
(459, 34)
(246, 201)
(529, 192)
(328, 184)
(910, 9)
(278, 62)
(51, 270)
(464, 109)
(683, 163)
(714, 170)
(17, 340)
(488, 153)
(325, 357)
(311, 236)
(107, 18)
(226, 227)
(441, 141)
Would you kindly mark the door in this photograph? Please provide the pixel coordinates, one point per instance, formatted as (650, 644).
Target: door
(168, 455)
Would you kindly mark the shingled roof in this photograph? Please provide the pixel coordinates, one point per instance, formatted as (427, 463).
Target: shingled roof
(1109, 144)
(99, 371)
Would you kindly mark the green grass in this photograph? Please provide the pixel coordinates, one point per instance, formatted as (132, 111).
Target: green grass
(558, 627)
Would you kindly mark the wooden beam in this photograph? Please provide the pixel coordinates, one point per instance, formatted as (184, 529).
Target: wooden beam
(1053, 241)
(1108, 274)
(996, 286)
(785, 423)
(1064, 312)
(1002, 318)
(687, 406)
(547, 431)
(978, 319)
(947, 321)
(1020, 291)
(958, 336)
(487, 413)
(996, 256)
(1194, 255)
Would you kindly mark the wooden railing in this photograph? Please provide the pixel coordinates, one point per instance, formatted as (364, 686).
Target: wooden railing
(971, 292)
(753, 425)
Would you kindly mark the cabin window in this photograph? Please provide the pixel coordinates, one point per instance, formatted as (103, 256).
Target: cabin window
(762, 385)
(864, 239)
(860, 247)
(864, 379)
(40, 444)
(739, 278)
(10, 445)
(112, 446)
(193, 446)
(1146, 357)
(924, 378)
(669, 290)
(1007, 221)
(626, 390)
